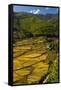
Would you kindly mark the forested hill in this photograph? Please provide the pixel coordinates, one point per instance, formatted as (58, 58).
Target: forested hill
(32, 25)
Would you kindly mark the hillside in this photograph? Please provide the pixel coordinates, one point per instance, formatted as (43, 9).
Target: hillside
(35, 48)
(31, 25)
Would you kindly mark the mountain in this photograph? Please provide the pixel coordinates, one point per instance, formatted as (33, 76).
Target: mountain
(32, 25)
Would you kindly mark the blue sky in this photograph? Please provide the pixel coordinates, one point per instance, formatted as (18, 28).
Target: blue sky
(35, 10)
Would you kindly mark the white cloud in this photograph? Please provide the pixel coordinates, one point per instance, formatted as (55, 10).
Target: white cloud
(46, 8)
(35, 11)
(31, 11)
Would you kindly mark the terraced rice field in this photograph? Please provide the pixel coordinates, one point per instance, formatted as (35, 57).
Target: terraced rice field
(30, 61)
